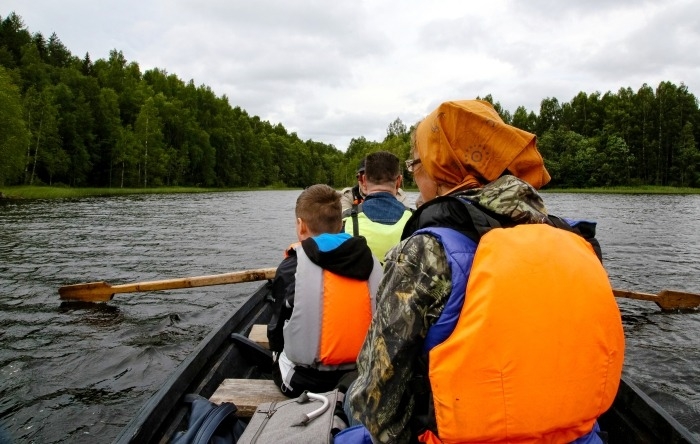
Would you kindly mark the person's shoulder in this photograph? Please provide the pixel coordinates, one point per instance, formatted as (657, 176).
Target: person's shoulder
(417, 245)
(422, 239)
(418, 250)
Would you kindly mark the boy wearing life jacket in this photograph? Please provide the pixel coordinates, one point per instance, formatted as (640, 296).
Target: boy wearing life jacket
(324, 298)
(495, 320)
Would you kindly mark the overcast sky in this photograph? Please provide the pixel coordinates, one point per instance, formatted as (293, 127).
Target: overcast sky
(335, 70)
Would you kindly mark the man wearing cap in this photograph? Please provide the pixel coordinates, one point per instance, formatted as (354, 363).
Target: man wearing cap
(495, 320)
(350, 196)
(380, 217)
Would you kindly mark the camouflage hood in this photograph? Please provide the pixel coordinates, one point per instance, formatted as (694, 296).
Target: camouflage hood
(508, 200)
(510, 197)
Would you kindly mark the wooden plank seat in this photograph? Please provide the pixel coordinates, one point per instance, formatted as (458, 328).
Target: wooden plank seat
(259, 334)
(247, 394)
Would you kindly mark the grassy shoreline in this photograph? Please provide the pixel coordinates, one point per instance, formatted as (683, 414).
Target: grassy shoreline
(47, 192)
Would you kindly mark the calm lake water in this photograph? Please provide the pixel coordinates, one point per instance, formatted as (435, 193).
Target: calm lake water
(77, 372)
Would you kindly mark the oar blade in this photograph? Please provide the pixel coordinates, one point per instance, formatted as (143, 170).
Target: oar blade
(678, 300)
(89, 292)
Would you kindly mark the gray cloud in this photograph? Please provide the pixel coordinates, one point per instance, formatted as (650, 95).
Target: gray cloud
(333, 71)
(663, 45)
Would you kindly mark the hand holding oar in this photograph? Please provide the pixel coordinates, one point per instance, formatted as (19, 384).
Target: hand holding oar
(102, 291)
(666, 299)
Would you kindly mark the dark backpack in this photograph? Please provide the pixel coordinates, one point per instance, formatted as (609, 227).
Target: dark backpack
(210, 423)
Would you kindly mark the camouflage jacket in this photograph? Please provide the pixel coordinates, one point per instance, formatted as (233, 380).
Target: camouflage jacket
(411, 297)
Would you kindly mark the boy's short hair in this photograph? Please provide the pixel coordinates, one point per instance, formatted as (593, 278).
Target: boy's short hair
(319, 207)
(382, 167)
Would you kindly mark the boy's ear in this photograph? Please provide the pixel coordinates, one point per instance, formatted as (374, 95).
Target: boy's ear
(399, 181)
(302, 229)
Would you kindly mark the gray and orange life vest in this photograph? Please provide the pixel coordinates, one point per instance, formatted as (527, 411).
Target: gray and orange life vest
(529, 347)
(331, 316)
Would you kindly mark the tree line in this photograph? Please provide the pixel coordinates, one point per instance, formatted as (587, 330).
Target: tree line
(104, 123)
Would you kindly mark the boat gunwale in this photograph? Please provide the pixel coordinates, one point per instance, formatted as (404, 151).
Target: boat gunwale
(630, 397)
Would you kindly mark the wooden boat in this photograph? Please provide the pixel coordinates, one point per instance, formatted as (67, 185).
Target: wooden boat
(226, 353)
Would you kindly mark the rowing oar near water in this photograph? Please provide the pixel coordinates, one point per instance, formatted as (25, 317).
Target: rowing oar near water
(102, 291)
(666, 299)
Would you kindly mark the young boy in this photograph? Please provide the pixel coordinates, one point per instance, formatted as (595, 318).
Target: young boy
(324, 298)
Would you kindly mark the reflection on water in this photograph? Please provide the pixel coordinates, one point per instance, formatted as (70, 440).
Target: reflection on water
(72, 371)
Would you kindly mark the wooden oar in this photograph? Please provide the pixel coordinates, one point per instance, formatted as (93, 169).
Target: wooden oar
(666, 299)
(102, 291)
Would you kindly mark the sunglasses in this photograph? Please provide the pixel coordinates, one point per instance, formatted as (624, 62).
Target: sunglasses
(411, 163)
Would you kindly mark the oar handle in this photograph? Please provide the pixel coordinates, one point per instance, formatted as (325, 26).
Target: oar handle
(197, 281)
(635, 295)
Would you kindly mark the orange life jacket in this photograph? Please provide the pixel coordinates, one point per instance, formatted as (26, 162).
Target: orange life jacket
(536, 352)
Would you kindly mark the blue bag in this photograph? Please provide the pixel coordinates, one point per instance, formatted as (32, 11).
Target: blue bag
(210, 423)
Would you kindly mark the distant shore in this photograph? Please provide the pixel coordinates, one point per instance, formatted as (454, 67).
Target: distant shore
(48, 192)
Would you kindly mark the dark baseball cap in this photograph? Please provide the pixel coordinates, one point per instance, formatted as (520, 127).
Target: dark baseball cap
(361, 167)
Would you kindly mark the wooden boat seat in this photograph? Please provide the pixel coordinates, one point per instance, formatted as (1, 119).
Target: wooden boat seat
(247, 394)
(259, 334)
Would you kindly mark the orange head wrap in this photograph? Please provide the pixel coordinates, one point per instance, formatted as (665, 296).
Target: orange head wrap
(465, 144)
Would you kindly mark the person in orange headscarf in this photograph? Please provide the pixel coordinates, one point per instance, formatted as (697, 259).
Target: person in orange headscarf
(495, 320)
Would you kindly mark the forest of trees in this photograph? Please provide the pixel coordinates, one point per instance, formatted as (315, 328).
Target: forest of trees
(104, 123)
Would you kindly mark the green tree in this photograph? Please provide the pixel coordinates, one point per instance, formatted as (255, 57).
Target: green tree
(57, 54)
(149, 143)
(14, 136)
(688, 158)
(550, 115)
(570, 158)
(358, 148)
(397, 140)
(75, 124)
(44, 149)
(670, 119)
(125, 156)
(35, 72)
(584, 115)
(13, 36)
(643, 134)
(108, 132)
(524, 120)
(614, 163)
(396, 129)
